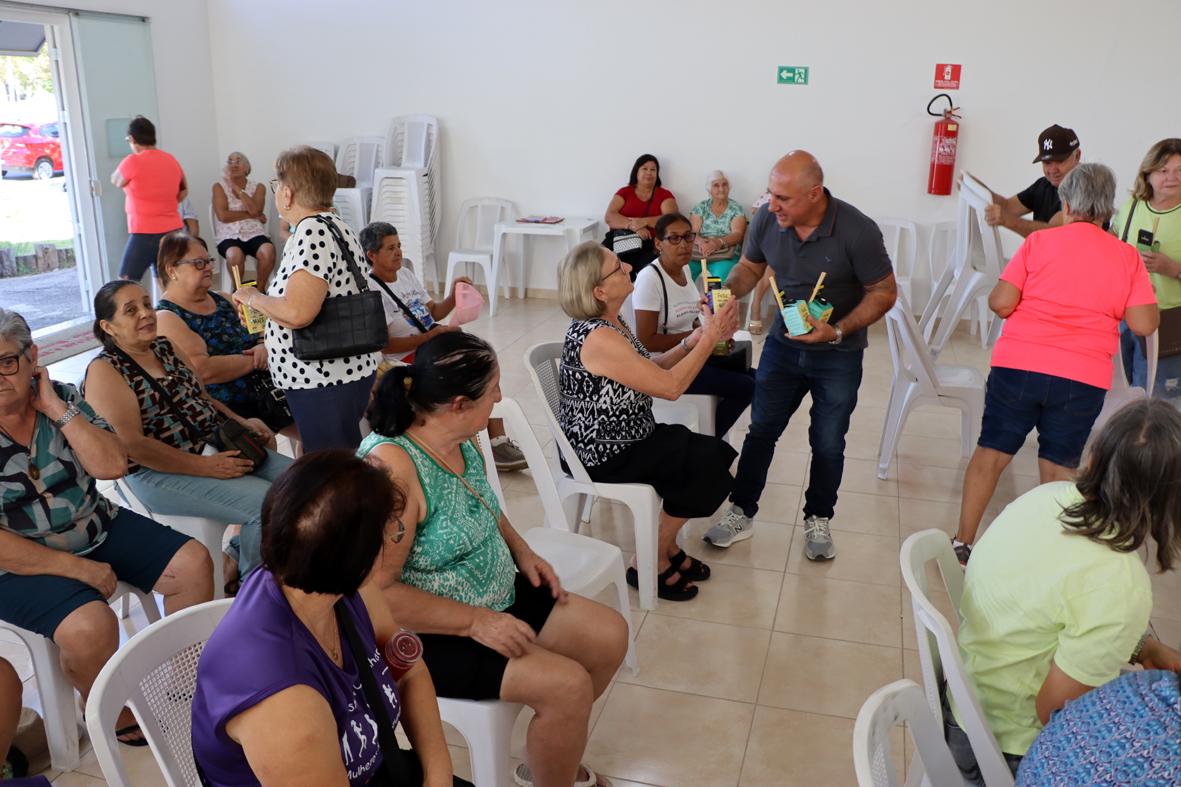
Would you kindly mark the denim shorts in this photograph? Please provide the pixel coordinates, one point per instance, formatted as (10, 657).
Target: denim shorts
(1063, 412)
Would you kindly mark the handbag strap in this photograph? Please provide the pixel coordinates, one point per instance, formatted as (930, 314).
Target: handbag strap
(411, 316)
(1128, 223)
(165, 398)
(664, 293)
(346, 251)
(392, 756)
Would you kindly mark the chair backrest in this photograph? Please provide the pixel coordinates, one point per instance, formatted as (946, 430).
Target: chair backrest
(477, 221)
(349, 207)
(359, 157)
(901, 239)
(940, 248)
(939, 654)
(900, 702)
(329, 148)
(413, 141)
(155, 673)
(518, 427)
(909, 350)
(542, 362)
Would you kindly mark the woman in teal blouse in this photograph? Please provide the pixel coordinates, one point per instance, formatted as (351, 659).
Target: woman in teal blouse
(720, 224)
(494, 620)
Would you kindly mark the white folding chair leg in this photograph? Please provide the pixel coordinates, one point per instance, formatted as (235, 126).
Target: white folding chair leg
(487, 725)
(623, 607)
(57, 703)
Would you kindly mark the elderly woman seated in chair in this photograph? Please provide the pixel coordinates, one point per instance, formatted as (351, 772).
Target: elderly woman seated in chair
(495, 622)
(63, 546)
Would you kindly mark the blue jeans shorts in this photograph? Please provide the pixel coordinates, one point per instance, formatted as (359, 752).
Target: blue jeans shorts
(1063, 412)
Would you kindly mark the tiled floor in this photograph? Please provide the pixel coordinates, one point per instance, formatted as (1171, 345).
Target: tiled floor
(758, 680)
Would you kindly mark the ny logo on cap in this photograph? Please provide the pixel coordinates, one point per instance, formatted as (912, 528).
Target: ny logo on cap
(1048, 144)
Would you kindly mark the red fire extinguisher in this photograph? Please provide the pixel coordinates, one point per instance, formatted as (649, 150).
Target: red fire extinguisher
(943, 147)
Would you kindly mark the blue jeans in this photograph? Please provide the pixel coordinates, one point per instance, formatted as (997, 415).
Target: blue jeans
(1168, 370)
(784, 376)
(229, 500)
(734, 390)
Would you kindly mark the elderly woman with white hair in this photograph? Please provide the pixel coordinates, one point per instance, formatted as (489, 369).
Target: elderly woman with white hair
(720, 224)
(240, 219)
(608, 380)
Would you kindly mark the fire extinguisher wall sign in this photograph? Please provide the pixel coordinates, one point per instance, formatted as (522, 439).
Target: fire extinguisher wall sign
(944, 141)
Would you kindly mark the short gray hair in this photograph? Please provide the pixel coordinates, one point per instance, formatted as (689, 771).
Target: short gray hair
(1089, 190)
(578, 275)
(714, 177)
(15, 329)
(242, 156)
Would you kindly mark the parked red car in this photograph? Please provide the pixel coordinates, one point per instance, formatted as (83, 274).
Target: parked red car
(30, 149)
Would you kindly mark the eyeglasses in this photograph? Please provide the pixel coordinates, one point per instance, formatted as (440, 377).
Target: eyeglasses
(677, 240)
(10, 364)
(274, 185)
(200, 263)
(612, 273)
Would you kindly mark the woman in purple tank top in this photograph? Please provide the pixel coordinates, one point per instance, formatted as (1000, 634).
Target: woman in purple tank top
(281, 698)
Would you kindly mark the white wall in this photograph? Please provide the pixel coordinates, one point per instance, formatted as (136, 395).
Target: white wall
(180, 45)
(549, 103)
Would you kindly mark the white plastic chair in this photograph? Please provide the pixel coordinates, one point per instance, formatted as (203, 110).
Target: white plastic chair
(975, 267)
(487, 725)
(939, 655)
(940, 249)
(412, 141)
(901, 238)
(56, 691)
(208, 532)
(585, 565)
(900, 702)
(359, 157)
(542, 362)
(155, 674)
(350, 206)
(406, 199)
(223, 267)
(328, 148)
(918, 380)
(473, 241)
(1121, 392)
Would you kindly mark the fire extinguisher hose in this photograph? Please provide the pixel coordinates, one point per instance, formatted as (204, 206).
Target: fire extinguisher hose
(946, 114)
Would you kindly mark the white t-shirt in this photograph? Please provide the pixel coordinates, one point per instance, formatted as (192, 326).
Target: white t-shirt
(313, 250)
(411, 292)
(683, 299)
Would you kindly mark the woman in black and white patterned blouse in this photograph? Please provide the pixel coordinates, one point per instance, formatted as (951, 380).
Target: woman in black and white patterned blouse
(607, 383)
(327, 398)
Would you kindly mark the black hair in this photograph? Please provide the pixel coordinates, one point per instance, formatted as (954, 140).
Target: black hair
(1131, 486)
(324, 521)
(104, 309)
(142, 131)
(374, 234)
(451, 364)
(634, 178)
(666, 221)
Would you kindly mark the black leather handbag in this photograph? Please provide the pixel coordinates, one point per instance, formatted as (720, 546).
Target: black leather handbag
(347, 324)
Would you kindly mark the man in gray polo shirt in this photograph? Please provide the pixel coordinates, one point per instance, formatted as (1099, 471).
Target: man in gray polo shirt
(801, 232)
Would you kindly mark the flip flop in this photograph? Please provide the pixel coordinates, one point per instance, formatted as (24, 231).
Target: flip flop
(131, 729)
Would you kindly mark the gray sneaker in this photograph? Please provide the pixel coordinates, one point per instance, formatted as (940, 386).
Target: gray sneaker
(507, 454)
(735, 526)
(818, 539)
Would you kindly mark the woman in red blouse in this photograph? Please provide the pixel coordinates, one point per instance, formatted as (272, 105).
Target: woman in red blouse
(636, 207)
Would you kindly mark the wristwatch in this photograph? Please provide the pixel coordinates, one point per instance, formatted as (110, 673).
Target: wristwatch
(67, 416)
(840, 334)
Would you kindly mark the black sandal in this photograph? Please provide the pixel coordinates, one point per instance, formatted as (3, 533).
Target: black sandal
(696, 572)
(677, 591)
(131, 729)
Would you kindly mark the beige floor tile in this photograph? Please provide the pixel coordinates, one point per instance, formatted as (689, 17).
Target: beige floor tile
(780, 503)
(1169, 631)
(794, 749)
(139, 763)
(666, 738)
(826, 676)
(861, 475)
(863, 444)
(859, 512)
(767, 549)
(737, 596)
(930, 421)
(78, 779)
(836, 609)
(788, 467)
(912, 668)
(932, 452)
(930, 483)
(860, 558)
(694, 657)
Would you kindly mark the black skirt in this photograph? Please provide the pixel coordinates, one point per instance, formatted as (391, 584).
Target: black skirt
(690, 471)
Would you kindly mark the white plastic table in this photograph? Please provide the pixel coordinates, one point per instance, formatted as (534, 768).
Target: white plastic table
(573, 229)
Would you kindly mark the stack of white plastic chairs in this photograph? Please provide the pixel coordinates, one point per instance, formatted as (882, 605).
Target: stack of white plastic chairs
(407, 189)
(359, 157)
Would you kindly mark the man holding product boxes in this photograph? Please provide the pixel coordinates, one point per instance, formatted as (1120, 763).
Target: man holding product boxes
(805, 233)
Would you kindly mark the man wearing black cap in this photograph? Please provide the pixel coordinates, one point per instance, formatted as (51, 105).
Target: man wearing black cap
(1058, 152)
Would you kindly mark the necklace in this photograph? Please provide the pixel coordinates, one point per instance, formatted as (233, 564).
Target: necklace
(34, 471)
(434, 455)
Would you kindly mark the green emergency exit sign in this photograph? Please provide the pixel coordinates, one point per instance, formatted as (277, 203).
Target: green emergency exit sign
(792, 75)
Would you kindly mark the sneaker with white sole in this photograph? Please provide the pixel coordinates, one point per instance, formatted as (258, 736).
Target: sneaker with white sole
(818, 539)
(734, 527)
(507, 454)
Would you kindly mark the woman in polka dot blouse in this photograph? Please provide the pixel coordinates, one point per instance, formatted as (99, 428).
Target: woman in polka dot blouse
(328, 397)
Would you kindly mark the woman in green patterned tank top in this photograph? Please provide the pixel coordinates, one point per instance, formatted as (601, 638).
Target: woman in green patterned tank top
(493, 617)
